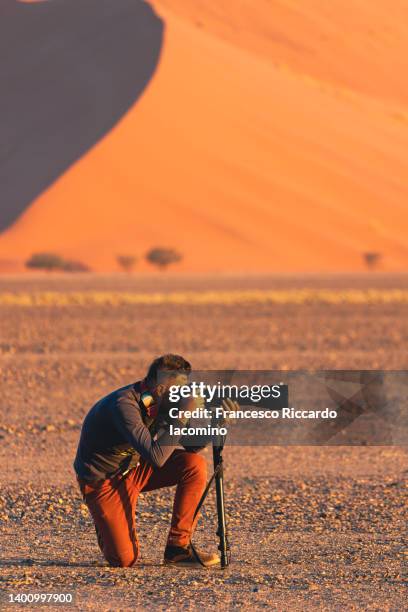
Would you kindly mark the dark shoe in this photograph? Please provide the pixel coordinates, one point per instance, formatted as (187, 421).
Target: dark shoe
(185, 557)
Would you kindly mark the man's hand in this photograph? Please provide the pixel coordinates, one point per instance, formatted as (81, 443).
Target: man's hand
(187, 404)
(230, 405)
(227, 405)
(199, 402)
(184, 405)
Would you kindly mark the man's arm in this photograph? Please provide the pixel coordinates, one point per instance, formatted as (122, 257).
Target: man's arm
(198, 442)
(129, 422)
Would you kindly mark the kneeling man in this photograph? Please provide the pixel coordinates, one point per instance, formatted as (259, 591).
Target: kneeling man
(125, 448)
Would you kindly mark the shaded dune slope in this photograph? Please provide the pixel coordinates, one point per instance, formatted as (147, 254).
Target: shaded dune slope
(247, 152)
(71, 69)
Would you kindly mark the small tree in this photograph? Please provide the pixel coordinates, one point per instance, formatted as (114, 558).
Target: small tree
(52, 261)
(127, 262)
(45, 261)
(163, 257)
(371, 259)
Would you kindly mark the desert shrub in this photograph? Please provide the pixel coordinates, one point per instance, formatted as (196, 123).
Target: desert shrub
(163, 257)
(53, 261)
(127, 262)
(45, 261)
(371, 259)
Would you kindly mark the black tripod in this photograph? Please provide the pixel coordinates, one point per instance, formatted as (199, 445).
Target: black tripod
(218, 476)
(222, 534)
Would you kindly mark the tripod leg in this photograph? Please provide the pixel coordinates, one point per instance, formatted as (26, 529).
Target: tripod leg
(222, 524)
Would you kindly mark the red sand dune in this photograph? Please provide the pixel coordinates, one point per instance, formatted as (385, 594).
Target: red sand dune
(272, 137)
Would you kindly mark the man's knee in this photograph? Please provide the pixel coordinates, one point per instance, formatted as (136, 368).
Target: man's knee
(123, 559)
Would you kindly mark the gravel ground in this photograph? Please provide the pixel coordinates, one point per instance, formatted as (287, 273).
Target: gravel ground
(310, 527)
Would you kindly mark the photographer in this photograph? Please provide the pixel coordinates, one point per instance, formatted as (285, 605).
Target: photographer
(125, 448)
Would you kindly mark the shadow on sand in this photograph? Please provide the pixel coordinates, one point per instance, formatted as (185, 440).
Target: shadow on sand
(29, 562)
(69, 70)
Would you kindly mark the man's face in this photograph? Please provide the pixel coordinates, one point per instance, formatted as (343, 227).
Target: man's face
(161, 389)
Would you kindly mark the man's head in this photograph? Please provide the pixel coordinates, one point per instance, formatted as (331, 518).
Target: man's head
(165, 371)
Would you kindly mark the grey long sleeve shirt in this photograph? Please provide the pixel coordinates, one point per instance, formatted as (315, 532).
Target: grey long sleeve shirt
(115, 434)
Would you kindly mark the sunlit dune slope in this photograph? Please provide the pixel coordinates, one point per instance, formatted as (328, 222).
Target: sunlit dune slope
(272, 139)
(356, 44)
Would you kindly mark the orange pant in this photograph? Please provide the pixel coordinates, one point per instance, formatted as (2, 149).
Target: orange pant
(112, 504)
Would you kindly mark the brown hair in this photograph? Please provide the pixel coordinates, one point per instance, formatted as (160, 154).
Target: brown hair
(172, 364)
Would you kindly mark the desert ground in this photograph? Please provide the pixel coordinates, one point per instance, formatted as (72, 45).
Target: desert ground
(311, 528)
